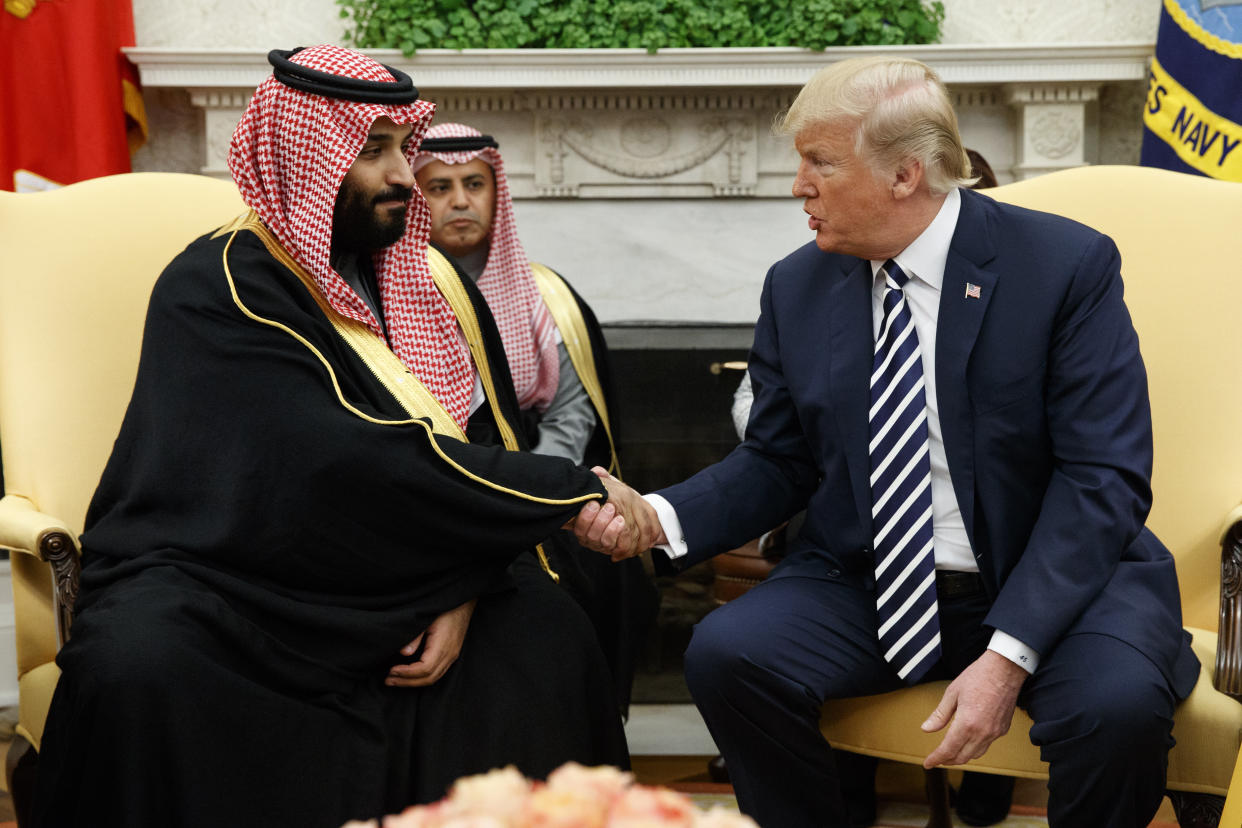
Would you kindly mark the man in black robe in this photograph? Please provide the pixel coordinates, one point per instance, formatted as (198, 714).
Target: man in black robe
(310, 586)
(557, 357)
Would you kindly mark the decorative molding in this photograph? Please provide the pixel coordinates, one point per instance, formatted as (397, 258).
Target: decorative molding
(680, 154)
(1056, 133)
(642, 100)
(477, 69)
(686, 123)
(1051, 126)
(476, 101)
(975, 96)
(646, 137)
(220, 98)
(1052, 93)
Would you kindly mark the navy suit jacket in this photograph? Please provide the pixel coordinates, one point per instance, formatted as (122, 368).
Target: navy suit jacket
(1043, 406)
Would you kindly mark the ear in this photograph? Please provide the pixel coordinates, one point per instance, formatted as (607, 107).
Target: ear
(907, 179)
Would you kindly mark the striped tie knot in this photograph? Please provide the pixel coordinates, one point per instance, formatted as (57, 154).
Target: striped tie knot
(895, 276)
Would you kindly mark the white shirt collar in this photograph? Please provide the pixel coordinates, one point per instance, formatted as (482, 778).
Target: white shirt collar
(925, 257)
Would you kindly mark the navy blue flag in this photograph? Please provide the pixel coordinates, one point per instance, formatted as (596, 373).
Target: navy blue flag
(1193, 116)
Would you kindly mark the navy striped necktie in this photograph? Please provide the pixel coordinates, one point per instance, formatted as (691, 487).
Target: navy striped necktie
(901, 510)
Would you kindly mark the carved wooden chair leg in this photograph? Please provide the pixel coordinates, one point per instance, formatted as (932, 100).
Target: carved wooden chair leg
(937, 782)
(1196, 810)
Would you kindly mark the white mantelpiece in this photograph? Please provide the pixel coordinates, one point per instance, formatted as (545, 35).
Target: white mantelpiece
(654, 181)
(688, 123)
(635, 68)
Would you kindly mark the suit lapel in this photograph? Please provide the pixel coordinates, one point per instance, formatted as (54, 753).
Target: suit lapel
(852, 350)
(957, 331)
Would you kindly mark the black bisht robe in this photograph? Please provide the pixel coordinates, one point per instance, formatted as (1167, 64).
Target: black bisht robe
(259, 549)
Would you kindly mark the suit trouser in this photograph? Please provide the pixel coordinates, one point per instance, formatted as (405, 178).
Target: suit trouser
(760, 667)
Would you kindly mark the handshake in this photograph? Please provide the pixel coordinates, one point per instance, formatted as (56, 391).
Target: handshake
(623, 527)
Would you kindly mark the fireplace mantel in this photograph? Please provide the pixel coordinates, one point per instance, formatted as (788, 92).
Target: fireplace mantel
(702, 68)
(688, 123)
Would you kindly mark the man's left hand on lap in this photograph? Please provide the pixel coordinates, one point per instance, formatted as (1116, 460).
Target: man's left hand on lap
(443, 642)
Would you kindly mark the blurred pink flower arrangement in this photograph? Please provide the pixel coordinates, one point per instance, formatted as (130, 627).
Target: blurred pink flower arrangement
(573, 797)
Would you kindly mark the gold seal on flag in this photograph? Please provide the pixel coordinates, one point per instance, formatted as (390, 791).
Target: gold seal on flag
(19, 8)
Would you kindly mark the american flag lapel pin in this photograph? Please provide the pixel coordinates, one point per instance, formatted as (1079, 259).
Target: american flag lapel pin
(973, 291)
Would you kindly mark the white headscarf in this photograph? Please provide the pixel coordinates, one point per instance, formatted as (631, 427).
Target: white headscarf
(526, 327)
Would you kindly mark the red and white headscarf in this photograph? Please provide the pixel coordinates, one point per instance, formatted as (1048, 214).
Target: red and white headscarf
(289, 154)
(526, 326)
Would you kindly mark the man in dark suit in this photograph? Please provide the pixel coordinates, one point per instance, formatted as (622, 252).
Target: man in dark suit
(953, 390)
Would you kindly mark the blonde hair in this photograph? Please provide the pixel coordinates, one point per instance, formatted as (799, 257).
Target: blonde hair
(902, 110)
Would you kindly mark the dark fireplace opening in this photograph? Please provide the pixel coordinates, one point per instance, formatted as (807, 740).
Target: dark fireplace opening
(673, 386)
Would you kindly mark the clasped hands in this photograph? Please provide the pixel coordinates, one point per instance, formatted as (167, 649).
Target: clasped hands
(623, 527)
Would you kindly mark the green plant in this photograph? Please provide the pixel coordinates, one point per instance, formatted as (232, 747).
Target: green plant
(410, 25)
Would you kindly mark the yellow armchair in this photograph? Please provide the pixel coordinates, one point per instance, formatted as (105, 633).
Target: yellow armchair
(1180, 248)
(76, 270)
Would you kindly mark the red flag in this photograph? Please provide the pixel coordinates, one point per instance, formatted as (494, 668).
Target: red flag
(70, 105)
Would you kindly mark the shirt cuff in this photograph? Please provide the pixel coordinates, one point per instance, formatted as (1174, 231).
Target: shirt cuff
(1014, 650)
(676, 546)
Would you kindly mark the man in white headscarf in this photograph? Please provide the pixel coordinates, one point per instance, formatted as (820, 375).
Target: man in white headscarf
(310, 591)
(462, 176)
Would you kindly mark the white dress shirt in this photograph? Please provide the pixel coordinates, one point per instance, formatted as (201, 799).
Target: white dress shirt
(923, 261)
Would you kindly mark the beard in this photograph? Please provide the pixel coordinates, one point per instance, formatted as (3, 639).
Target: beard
(357, 226)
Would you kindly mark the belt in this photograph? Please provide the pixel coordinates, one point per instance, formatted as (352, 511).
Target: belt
(951, 584)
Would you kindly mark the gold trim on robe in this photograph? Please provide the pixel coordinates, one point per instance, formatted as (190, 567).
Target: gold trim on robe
(450, 286)
(391, 372)
(568, 318)
(424, 408)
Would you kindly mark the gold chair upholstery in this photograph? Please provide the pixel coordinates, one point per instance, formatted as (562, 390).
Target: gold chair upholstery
(78, 266)
(1180, 247)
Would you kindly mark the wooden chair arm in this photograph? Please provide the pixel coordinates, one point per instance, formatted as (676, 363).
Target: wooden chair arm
(1230, 523)
(1228, 676)
(23, 527)
(25, 530)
